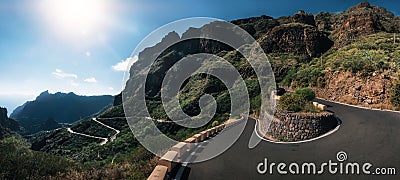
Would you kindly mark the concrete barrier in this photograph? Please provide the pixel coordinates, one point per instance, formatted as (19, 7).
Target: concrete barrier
(205, 133)
(181, 149)
(315, 104)
(319, 106)
(322, 107)
(209, 133)
(190, 142)
(169, 160)
(198, 137)
(159, 173)
(213, 131)
(222, 127)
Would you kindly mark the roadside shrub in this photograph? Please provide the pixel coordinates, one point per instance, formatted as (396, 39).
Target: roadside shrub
(292, 102)
(395, 94)
(215, 123)
(299, 101)
(307, 93)
(307, 76)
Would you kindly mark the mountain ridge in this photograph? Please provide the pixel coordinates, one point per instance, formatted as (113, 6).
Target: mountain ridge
(47, 110)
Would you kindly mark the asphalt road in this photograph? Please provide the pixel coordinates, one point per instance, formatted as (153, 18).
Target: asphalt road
(365, 135)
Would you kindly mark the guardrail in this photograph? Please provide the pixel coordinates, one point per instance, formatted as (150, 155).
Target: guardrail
(168, 162)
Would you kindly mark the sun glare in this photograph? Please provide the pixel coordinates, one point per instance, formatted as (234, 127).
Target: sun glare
(74, 17)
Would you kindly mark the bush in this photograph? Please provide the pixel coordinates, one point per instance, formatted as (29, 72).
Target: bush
(17, 161)
(292, 102)
(307, 93)
(395, 94)
(308, 76)
(215, 123)
(299, 101)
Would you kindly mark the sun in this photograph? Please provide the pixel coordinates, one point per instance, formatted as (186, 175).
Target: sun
(74, 16)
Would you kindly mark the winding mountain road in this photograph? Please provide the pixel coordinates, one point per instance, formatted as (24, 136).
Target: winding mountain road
(112, 138)
(365, 136)
(104, 139)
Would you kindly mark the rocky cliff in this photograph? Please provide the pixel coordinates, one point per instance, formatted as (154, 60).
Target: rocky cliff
(7, 122)
(373, 92)
(360, 20)
(7, 126)
(297, 38)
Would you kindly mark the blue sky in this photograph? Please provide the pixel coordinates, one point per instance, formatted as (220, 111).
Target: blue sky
(78, 45)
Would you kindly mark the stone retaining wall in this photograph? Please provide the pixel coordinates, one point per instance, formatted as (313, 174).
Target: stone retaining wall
(301, 126)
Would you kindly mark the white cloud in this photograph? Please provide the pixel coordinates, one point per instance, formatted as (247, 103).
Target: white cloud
(73, 83)
(111, 88)
(88, 54)
(91, 80)
(61, 74)
(125, 64)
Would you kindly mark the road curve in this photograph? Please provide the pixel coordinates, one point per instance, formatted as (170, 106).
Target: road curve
(104, 140)
(365, 135)
(112, 138)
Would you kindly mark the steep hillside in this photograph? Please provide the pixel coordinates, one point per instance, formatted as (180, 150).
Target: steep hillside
(49, 109)
(351, 57)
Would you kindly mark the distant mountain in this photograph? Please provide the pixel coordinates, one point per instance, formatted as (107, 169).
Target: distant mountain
(47, 110)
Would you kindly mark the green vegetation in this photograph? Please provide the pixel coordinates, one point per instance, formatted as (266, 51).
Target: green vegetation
(17, 161)
(299, 101)
(395, 94)
(307, 93)
(368, 54)
(215, 123)
(363, 57)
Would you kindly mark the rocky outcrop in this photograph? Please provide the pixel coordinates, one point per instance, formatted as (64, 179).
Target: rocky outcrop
(346, 87)
(8, 126)
(360, 20)
(296, 38)
(303, 17)
(257, 26)
(8, 123)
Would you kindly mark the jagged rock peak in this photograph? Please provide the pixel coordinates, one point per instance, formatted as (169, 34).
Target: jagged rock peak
(301, 12)
(44, 93)
(361, 5)
(171, 36)
(303, 17)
